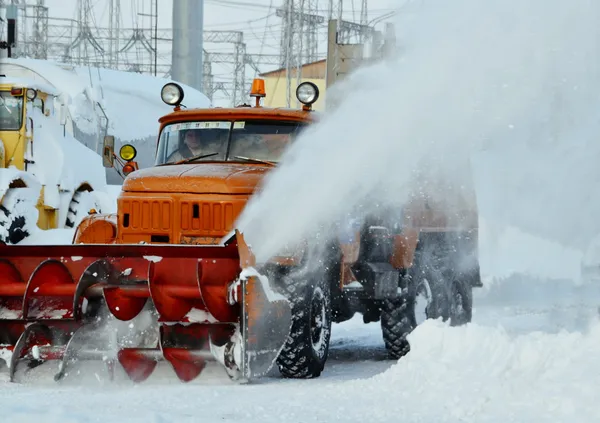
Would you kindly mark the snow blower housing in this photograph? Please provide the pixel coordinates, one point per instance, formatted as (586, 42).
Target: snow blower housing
(172, 250)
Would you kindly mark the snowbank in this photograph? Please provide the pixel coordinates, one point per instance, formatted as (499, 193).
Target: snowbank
(63, 236)
(478, 374)
(60, 161)
(131, 101)
(50, 237)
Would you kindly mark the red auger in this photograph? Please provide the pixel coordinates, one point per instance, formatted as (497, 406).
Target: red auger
(55, 300)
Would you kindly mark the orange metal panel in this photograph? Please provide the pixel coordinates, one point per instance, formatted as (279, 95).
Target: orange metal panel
(228, 217)
(146, 217)
(166, 215)
(136, 215)
(205, 212)
(186, 215)
(155, 222)
(218, 217)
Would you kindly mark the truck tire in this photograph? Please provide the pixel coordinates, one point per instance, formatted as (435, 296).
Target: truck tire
(451, 290)
(397, 322)
(305, 352)
(83, 201)
(452, 298)
(461, 303)
(12, 221)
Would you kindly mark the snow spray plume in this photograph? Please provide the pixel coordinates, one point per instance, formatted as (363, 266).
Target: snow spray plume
(469, 74)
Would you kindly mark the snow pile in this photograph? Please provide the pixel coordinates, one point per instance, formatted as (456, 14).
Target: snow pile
(60, 161)
(477, 373)
(49, 237)
(99, 101)
(22, 215)
(130, 100)
(501, 75)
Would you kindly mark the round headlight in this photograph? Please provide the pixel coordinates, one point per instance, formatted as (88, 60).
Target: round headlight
(31, 94)
(128, 152)
(307, 93)
(172, 94)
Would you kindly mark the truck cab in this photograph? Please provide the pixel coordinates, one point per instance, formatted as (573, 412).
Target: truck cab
(208, 164)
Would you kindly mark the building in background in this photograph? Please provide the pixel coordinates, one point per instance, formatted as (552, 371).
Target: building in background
(276, 85)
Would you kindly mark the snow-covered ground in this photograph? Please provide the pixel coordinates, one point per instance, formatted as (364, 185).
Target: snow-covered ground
(529, 355)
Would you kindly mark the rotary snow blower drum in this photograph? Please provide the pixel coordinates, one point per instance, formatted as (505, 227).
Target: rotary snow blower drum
(209, 301)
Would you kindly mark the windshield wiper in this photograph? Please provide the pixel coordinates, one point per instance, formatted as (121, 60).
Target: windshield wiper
(192, 159)
(251, 159)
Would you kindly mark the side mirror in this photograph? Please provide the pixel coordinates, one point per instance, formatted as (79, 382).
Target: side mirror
(108, 148)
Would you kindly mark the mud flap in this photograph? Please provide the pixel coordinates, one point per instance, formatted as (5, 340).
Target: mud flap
(267, 321)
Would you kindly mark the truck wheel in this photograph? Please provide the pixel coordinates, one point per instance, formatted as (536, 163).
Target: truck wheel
(461, 303)
(12, 219)
(82, 202)
(306, 349)
(397, 322)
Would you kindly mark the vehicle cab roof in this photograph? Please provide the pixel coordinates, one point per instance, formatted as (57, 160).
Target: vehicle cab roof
(242, 112)
(7, 82)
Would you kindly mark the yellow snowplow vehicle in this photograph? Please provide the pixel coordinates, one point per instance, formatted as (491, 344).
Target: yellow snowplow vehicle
(173, 255)
(47, 178)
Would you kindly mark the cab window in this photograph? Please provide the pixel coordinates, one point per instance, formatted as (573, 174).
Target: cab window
(11, 111)
(261, 140)
(201, 141)
(249, 140)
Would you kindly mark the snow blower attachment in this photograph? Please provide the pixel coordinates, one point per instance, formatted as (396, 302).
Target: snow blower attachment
(208, 303)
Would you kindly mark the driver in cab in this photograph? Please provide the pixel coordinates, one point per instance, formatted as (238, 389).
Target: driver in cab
(193, 145)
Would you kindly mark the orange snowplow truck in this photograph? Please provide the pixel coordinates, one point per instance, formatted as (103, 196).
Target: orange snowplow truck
(169, 278)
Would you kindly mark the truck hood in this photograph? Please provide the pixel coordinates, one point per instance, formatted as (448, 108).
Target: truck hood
(205, 178)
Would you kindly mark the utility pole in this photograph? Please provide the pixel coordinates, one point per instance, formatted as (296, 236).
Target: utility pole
(187, 51)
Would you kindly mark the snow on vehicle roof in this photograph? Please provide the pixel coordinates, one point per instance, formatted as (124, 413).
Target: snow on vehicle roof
(29, 83)
(130, 100)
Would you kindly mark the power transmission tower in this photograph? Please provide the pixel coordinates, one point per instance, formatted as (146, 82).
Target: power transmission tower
(114, 25)
(32, 27)
(40, 30)
(85, 38)
(347, 31)
(299, 43)
(364, 21)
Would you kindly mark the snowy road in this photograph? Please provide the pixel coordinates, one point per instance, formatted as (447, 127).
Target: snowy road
(530, 355)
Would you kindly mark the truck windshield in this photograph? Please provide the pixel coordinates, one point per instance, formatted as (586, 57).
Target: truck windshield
(11, 111)
(258, 141)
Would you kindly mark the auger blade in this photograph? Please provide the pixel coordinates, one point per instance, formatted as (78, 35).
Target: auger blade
(37, 344)
(89, 342)
(138, 363)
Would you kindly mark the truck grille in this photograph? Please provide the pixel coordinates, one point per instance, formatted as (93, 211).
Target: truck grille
(147, 215)
(208, 217)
